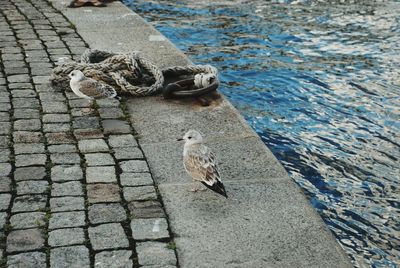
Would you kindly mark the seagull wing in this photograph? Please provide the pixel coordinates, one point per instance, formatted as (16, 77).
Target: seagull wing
(96, 89)
(201, 165)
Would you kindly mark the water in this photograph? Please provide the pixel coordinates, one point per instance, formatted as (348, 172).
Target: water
(320, 83)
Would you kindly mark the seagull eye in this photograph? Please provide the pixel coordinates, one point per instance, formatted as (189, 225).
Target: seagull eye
(189, 138)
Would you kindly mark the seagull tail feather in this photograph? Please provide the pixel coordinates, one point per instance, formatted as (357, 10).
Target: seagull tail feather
(217, 187)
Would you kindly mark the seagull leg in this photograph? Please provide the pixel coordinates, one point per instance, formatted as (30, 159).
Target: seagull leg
(89, 110)
(196, 187)
(202, 188)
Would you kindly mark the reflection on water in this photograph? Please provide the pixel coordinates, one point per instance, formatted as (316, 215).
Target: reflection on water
(320, 83)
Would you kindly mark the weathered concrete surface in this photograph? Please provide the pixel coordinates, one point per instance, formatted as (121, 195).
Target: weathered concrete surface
(114, 32)
(266, 221)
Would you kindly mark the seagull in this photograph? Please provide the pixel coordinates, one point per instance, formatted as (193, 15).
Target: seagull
(89, 88)
(200, 163)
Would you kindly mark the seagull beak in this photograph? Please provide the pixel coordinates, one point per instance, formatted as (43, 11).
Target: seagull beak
(180, 139)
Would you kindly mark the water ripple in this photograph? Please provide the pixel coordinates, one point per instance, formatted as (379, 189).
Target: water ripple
(319, 82)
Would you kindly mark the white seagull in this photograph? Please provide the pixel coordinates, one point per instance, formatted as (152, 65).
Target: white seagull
(200, 162)
(89, 88)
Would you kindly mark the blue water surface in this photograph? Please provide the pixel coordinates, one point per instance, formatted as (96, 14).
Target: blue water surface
(320, 84)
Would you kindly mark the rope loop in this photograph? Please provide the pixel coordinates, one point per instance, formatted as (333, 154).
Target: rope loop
(131, 73)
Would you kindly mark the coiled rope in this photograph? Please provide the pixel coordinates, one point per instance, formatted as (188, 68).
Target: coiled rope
(128, 73)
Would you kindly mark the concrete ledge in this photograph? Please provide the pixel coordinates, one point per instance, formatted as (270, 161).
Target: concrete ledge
(217, 121)
(260, 225)
(118, 29)
(266, 221)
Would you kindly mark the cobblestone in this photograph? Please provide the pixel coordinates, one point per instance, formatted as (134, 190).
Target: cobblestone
(146, 209)
(4, 117)
(54, 107)
(49, 96)
(4, 201)
(66, 237)
(28, 148)
(65, 158)
(149, 229)
(4, 155)
(5, 107)
(90, 133)
(32, 187)
(26, 113)
(56, 127)
(99, 159)
(134, 166)
(101, 174)
(5, 169)
(67, 204)
(27, 124)
(18, 78)
(115, 258)
(24, 160)
(61, 169)
(62, 148)
(67, 219)
(70, 257)
(23, 240)
(107, 103)
(56, 118)
(29, 173)
(4, 128)
(110, 113)
(5, 184)
(105, 213)
(27, 220)
(93, 146)
(155, 254)
(113, 126)
(27, 136)
(20, 70)
(136, 179)
(101, 193)
(59, 138)
(3, 218)
(41, 79)
(27, 203)
(31, 103)
(20, 86)
(25, 93)
(60, 173)
(142, 193)
(4, 141)
(122, 141)
(108, 236)
(70, 188)
(86, 122)
(27, 260)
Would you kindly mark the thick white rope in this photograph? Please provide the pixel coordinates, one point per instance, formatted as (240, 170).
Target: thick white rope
(129, 73)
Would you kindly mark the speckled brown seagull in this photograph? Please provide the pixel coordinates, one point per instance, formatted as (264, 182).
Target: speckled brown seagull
(81, 3)
(89, 88)
(200, 162)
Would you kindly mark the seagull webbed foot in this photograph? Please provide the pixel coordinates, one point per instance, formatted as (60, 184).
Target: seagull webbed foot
(197, 189)
(88, 111)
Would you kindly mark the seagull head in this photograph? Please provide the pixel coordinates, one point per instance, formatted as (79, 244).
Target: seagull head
(192, 137)
(76, 75)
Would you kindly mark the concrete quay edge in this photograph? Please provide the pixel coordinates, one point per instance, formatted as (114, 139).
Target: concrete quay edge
(242, 231)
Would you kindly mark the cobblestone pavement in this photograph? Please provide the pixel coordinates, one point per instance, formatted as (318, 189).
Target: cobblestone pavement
(75, 191)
